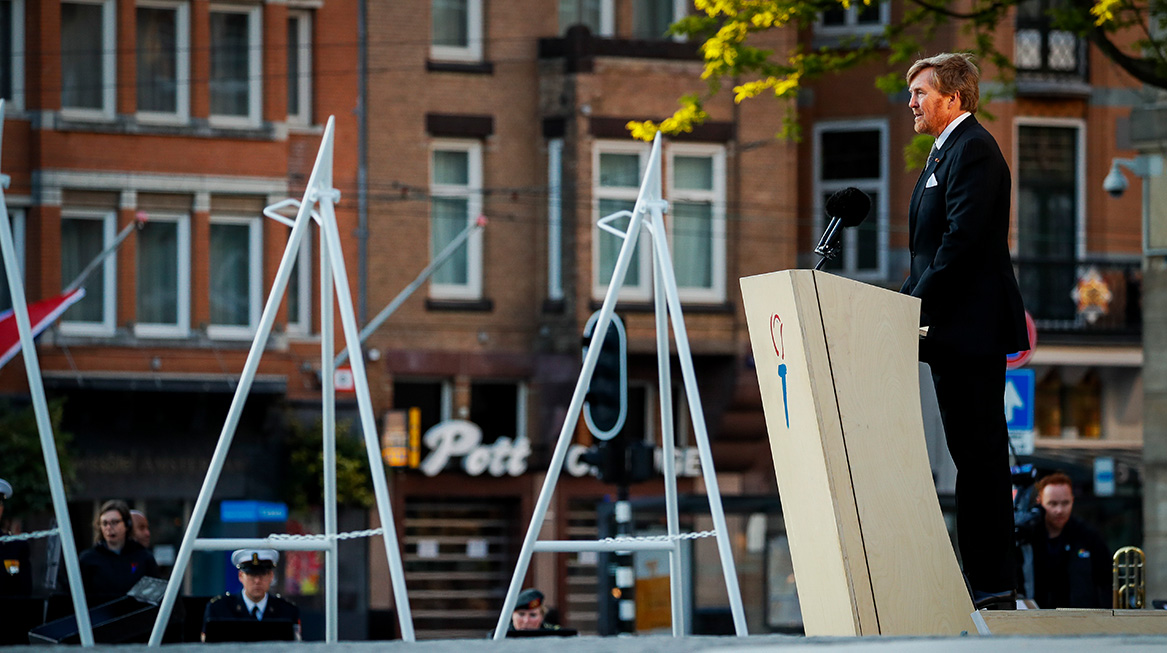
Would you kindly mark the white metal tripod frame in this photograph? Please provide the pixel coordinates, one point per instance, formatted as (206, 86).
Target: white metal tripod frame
(318, 193)
(40, 406)
(648, 213)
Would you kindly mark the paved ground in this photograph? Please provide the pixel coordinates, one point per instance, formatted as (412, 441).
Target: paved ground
(664, 644)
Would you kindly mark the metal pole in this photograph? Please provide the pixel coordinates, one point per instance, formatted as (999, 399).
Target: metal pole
(44, 426)
(247, 377)
(348, 320)
(573, 409)
(413, 286)
(100, 258)
(697, 413)
(328, 423)
(668, 441)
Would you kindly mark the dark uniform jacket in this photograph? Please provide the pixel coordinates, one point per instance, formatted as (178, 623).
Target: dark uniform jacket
(108, 575)
(959, 242)
(230, 607)
(1072, 570)
(15, 569)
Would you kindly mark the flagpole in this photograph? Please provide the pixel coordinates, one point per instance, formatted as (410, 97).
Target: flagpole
(100, 258)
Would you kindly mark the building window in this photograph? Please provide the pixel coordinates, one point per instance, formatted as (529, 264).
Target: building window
(163, 301)
(1040, 51)
(1068, 403)
(616, 170)
(456, 30)
(651, 19)
(697, 220)
(596, 15)
(16, 218)
(300, 67)
(433, 398)
(857, 19)
(163, 61)
(854, 154)
(12, 52)
(1050, 222)
(84, 234)
(499, 408)
(236, 66)
(456, 201)
(88, 59)
(236, 276)
(299, 290)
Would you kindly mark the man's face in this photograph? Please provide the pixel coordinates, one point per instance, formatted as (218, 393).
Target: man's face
(527, 619)
(256, 585)
(141, 530)
(932, 109)
(113, 529)
(1058, 501)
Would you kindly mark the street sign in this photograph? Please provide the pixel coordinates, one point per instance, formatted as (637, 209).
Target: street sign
(1014, 361)
(1019, 389)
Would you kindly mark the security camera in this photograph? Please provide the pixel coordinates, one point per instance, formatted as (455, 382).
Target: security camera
(1115, 182)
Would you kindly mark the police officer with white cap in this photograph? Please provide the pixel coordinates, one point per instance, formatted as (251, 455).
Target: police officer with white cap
(16, 572)
(255, 603)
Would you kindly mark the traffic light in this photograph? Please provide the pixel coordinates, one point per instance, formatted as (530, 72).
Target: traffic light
(621, 462)
(606, 401)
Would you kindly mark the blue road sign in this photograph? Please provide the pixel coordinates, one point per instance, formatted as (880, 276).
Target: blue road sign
(250, 512)
(1019, 387)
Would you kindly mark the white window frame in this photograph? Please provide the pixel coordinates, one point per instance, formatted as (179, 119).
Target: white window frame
(107, 274)
(1080, 163)
(255, 279)
(181, 328)
(16, 216)
(474, 36)
(555, 219)
(472, 289)
(181, 114)
(16, 74)
(850, 26)
(254, 68)
(304, 60)
(607, 19)
(680, 10)
(716, 198)
(301, 325)
(108, 66)
(643, 290)
(880, 185)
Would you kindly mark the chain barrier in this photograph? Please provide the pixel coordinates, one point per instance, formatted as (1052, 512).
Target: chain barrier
(351, 535)
(28, 536)
(659, 538)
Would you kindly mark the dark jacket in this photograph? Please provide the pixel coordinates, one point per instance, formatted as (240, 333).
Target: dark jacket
(1072, 570)
(230, 607)
(959, 241)
(15, 569)
(108, 575)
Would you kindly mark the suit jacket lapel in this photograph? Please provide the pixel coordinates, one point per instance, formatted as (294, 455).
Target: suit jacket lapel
(930, 167)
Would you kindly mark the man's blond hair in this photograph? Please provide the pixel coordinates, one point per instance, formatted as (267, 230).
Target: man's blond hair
(952, 72)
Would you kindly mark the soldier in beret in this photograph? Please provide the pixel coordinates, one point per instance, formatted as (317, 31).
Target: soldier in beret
(16, 572)
(530, 611)
(256, 573)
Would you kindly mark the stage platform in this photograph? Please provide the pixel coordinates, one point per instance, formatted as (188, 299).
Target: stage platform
(667, 644)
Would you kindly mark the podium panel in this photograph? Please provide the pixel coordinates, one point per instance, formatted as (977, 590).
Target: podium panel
(837, 366)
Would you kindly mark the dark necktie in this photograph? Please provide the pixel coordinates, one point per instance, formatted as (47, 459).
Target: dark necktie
(255, 612)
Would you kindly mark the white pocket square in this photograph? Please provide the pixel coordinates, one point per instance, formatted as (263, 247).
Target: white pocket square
(931, 181)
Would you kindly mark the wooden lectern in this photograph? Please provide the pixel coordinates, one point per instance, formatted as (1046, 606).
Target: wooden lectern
(837, 365)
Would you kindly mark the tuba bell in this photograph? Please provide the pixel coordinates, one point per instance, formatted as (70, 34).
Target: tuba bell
(1129, 578)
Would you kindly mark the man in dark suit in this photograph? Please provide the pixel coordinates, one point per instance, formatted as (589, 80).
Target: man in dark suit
(254, 604)
(961, 270)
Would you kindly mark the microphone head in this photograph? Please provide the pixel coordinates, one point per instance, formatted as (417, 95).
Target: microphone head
(849, 205)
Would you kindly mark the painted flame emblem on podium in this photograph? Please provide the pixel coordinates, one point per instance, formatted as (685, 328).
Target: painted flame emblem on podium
(780, 350)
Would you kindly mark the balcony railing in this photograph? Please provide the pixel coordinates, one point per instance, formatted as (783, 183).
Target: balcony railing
(1048, 284)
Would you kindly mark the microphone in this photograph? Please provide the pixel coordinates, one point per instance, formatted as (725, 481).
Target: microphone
(847, 208)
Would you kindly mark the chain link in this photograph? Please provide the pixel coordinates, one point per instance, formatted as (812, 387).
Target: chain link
(28, 536)
(351, 535)
(659, 538)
